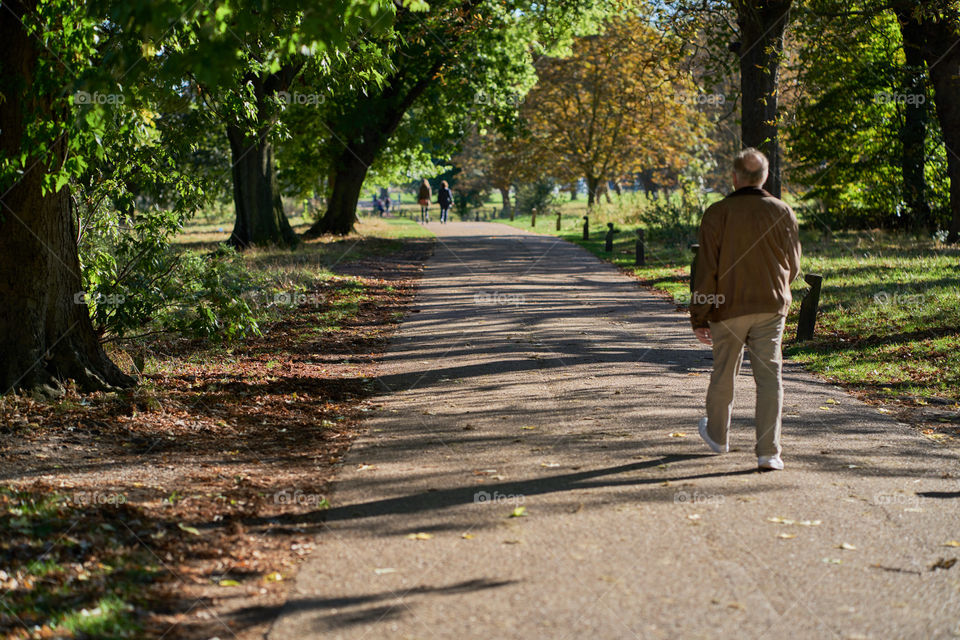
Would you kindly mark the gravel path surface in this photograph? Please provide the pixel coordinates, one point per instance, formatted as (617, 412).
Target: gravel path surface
(534, 375)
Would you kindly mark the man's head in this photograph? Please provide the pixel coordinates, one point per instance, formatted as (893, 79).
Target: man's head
(750, 169)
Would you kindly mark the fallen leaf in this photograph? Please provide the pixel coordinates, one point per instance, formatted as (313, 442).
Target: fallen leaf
(229, 583)
(943, 563)
(466, 536)
(419, 536)
(518, 512)
(952, 543)
(832, 561)
(846, 546)
(188, 529)
(528, 428)
(693, 516)
(276, 576)
(787, 536)
(678, 434)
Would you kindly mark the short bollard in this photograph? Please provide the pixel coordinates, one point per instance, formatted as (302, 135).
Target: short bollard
(641, 258)
(807, 320)
(533, 217)
(586, 227)
(693, 265)
(608, 241)
(512, 213)
(477, 219)
(558, 220)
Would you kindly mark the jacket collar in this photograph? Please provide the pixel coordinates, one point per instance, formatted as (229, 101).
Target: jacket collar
(750, 191)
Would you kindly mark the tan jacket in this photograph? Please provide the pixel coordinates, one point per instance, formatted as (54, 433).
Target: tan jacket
(749, 254)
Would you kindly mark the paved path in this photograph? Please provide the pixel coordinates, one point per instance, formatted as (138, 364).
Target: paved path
(533, 374)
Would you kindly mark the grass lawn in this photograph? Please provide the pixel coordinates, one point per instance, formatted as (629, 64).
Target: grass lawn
(889, 318)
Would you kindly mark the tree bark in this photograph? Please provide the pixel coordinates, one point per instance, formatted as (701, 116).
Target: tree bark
(505, 196)
(341, 213)
(913, 135)
(46, 335)
(943, 62)
(593, 185)
(260, 218)
(762, 25)
(366, 130)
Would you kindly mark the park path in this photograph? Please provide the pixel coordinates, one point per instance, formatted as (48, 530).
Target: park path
(532, 374)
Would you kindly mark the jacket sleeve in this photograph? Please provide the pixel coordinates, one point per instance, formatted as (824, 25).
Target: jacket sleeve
(704, 291)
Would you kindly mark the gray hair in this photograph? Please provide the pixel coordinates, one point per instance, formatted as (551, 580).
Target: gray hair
(751, 167)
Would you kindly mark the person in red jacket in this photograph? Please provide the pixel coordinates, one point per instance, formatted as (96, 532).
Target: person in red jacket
(424, 196)
(749, 254)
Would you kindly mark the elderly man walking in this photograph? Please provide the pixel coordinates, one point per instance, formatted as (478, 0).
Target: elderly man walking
(749, 254)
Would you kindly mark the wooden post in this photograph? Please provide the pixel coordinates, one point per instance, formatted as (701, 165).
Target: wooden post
(533, 217)
(608, 241)
(807, 320)
(586, 227)
(641, 258)
(558, 220)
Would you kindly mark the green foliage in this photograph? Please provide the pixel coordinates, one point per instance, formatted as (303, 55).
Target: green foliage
(845, 137)
(540, 195)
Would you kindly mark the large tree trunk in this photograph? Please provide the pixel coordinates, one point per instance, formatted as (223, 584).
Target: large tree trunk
(341, 214)
(762, 24)
(46, 335)
(365, 129)
(942, 54)
(256, 196)
(505, 196)
(913, 135)
(593, 186)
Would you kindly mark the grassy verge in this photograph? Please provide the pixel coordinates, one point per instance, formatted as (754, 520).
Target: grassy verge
(889, 320)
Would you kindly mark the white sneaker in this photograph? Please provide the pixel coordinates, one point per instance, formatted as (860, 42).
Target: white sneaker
(770, 463)
(710, 443)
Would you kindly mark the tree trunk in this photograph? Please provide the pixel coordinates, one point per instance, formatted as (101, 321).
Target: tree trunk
(914, 133)
(943, 61)
(573, 192)
(505, 196)
(341, 214)
(46, 335)
(762, 24)
(256, 196)
(593, 184)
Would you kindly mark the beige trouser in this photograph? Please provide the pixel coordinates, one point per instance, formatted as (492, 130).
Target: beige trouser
(762, 333)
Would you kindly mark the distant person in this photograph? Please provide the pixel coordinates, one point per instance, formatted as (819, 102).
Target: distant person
(378, 206)
(445, 200)
(749, 254)
(387, 204)
(424, 196)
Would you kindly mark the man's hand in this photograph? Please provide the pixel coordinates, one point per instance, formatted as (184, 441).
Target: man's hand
(703, 335)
